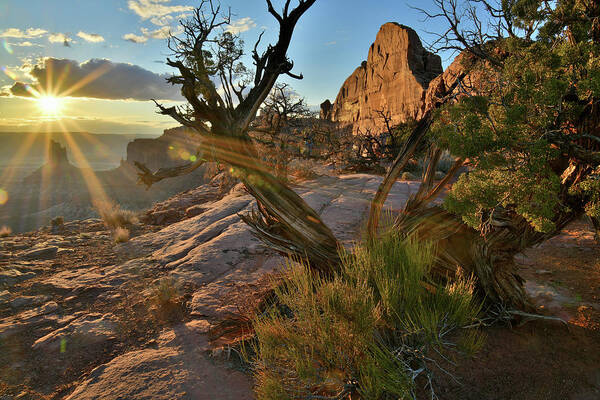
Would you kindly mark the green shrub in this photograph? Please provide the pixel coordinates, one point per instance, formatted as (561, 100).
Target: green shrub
(374, 324)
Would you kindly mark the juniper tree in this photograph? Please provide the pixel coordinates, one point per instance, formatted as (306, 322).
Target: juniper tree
(223, 97)
(528, 128)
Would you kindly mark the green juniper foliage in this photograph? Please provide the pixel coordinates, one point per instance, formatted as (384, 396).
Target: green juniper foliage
(521, 124)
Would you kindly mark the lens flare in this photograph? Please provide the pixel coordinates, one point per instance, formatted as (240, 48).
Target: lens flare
(7, 46)
(185, 155)
(3, 197)
(9, 73)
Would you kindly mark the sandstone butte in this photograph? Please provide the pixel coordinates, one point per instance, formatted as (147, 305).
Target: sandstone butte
(393, 80)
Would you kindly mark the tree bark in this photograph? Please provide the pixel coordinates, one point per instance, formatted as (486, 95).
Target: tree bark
(283, 219)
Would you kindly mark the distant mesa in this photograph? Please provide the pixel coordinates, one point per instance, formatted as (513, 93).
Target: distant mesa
(57, 166)
(394, 79)
(174, 147)
(57, 155)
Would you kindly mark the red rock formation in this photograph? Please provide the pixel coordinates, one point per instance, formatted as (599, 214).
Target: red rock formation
(439, 86)
(394, 79)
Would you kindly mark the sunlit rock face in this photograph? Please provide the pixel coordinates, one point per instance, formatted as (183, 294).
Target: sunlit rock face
(394, 79)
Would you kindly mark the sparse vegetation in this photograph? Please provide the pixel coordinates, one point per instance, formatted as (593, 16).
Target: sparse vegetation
(373, 329)
(5, 231)
(407, 176)
(57, 224)
(115, 217)
(166, 302)
(302, 170)
(121, 235)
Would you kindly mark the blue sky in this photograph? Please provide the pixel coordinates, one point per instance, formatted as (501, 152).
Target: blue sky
(329, 43)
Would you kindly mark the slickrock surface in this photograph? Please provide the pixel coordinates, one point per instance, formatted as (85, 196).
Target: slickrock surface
(394, 79)
(77, 318)
(81, 321)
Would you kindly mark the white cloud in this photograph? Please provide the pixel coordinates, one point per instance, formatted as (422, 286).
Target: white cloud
(131, 37)
(155, 8)
(90, 37)
(333, 42)
(59, 38)
(160, 33)
(30, 33)
(241, 25)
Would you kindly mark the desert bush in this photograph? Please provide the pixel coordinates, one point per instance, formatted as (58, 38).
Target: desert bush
(371, 329)
(57, 222)
(166, 300)
(302, 170)
(5, 231)
(121, 235)
(407, 176)
(115, 217)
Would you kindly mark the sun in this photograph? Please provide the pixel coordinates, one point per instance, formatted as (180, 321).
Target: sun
(50, 105)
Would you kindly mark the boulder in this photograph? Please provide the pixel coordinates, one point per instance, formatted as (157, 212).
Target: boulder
(28, 301)
(11, 277)
(41, 253)
(176, 368)
(325, 112)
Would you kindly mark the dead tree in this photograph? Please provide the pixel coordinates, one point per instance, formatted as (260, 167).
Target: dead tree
(223, 98)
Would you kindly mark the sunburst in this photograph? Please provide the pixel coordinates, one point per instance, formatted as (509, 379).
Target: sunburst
(50, 105)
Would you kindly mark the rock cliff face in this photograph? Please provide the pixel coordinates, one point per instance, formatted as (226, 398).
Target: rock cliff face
(394, 79)
(173, 148)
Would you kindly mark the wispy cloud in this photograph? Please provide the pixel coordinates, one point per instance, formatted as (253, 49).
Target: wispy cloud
(26, 44)
(90, 37)
(132, 37)
(160, 33)
(332, 43)
(163, 20)
(30, 33)
(241, 25)
(155, 8)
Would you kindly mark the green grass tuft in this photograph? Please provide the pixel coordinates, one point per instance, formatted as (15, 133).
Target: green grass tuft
(371, 328)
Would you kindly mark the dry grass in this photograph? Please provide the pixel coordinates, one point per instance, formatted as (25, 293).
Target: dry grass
(121, 235)
(166, 301)
(302, 170)
(114, 217)
(5, 231)
(407, 176)
(57, 222)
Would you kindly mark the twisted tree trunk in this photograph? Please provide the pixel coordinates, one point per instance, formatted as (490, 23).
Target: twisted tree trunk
(283, 220)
